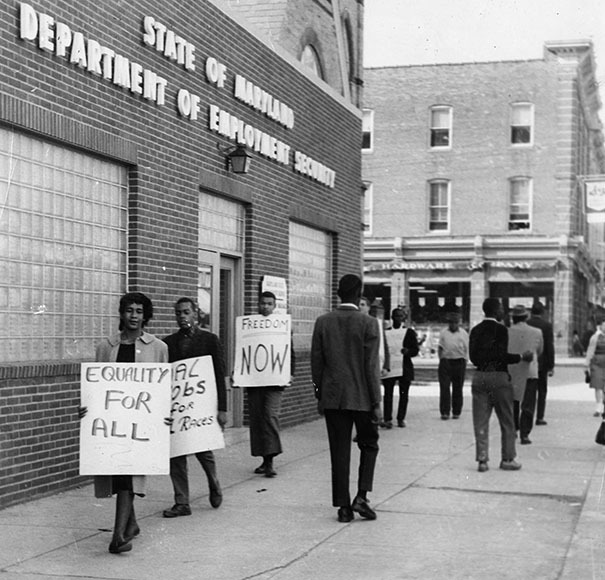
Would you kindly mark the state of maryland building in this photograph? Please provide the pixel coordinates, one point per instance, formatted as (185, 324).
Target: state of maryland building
(116, 121)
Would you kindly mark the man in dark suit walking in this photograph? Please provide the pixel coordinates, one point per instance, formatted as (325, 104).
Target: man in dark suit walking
(346, 377)
(546, 361)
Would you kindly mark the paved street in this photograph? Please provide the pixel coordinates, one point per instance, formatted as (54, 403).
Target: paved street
(437, 516)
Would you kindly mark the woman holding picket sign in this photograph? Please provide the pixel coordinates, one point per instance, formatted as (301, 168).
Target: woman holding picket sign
(131, 344)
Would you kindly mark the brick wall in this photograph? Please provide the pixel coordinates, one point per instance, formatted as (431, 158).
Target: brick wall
(481, 159)
(169, 158)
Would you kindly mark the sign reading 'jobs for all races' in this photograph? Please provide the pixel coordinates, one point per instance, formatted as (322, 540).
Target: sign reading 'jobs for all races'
(194, 406)
(124, 433)
(262, 350)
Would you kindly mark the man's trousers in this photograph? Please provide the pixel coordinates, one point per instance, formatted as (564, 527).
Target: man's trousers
(340, 429)
(180, 478)
(493, 390)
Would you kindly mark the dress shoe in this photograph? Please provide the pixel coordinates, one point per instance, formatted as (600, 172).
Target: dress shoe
(455, 416)
(401, 423)
(362, 507)
(178, 509)
(260, 470)
(525, 440)
(387, 424)
(345, 514)
(483, 467)
(541, 422)
(596, 414)
(270, 472)
(445, 417)
(216, 496)
(511, 465)
(117, 547)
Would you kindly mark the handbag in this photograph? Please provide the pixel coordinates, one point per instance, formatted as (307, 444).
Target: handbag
(587, 377)
(600, 436)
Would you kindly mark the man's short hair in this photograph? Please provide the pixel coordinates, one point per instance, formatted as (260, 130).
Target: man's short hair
(137, 298)
(267, 294)
(537, 308)
(491, 306)
(184, 300)
(349, 287)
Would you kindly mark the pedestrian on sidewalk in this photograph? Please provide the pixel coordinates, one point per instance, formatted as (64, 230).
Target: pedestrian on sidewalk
(524, 375)
(131, 344)
(595, 365)
(402, 342)
(546, 361)
(188, 342)
(345, 371)
(453, 354)
(264, 406)
(491, 386)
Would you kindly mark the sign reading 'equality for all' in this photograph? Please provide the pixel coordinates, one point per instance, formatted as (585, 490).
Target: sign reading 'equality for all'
(262, 350)
(124, 433)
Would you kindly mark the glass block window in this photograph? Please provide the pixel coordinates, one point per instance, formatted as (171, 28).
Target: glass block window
(520, 204)
(439, 205)
(221, 224)
(441, 126)
(522, 121)
(63, 249)
(310, 280)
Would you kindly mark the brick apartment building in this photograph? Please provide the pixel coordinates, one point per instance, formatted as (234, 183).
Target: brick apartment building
(474, 179)
(116, 120)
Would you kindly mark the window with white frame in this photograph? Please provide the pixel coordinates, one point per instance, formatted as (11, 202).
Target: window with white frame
(441, 126)
(439, 205)
(522, 123)
(368, 206)
(310, 283)
(63, 249)
(520, 203)
(367, 131)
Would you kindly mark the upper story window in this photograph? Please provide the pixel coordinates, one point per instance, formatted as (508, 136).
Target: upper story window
(439, 205)
(441, 126)
(367, 131)
(310, 60)
(522, 124)
(520, 203)
(368, 206)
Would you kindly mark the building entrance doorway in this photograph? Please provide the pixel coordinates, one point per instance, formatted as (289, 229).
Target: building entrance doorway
(219, 297)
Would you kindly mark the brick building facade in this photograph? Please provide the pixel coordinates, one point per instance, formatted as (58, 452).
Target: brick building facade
(474, 176)
(115, 123)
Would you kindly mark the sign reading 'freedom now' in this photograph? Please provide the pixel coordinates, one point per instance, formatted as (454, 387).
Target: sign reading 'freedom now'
(262, 350)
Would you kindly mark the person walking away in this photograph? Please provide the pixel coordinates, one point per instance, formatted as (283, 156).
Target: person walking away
(344, 368)
(453, 354)
(595, 365)
(401, 340)
(491, 386)
(264, 405)
(524, 375)
(130, 344)
(191, 341)
(546, 362)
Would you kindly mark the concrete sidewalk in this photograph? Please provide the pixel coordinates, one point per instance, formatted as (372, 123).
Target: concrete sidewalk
(437, 516)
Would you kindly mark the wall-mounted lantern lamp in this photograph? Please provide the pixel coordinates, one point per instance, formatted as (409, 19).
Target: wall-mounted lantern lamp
(237, 158)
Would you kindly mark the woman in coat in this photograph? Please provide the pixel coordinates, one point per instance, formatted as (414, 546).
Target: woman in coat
(130, 344)
(595, 365)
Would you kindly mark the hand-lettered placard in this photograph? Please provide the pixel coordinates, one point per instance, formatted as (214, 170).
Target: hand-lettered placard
(123, 432)
(394, 342)
(194, 408)
(262, 350)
